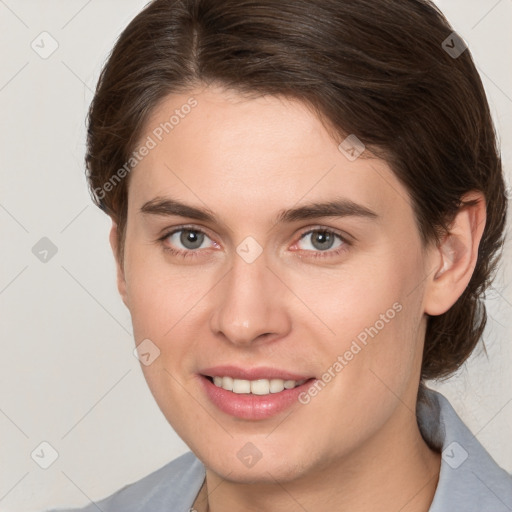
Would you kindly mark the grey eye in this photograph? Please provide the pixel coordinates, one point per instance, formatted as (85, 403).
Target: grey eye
(321, 240)
(186, 239)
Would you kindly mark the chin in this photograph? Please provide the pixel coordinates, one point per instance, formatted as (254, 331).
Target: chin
(249, 465)
(260, 474)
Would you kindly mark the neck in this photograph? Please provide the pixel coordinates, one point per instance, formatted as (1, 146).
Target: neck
(394, 470)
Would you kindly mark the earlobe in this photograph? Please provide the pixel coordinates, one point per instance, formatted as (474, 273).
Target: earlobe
(121, 281)
(456, 255)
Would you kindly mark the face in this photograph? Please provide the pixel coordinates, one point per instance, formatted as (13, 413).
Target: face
(260, 258)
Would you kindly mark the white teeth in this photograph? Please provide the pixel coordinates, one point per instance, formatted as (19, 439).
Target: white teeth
(276, 385)
(227, 383)
(256, 387)
(260, 387)
(241, 386)
(289, 384)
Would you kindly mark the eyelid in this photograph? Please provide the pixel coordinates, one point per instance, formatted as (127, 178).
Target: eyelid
(167, 232)
(348, 239)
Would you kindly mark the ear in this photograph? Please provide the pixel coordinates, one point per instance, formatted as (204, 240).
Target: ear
(121, 281)
(454, 259)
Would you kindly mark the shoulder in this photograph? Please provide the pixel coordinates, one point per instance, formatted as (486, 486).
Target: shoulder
(469, 479)
(172, 487)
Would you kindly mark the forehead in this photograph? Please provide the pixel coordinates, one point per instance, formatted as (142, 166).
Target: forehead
(253, 156)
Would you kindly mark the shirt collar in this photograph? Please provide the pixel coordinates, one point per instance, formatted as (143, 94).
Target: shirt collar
(469, 479)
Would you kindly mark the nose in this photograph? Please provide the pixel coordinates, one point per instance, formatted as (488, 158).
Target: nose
(250, 304)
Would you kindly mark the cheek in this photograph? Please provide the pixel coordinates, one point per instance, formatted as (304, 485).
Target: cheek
(161, 296)
(354, 298)
(374, 311)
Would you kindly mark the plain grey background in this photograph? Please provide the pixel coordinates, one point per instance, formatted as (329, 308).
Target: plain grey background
(68, 376)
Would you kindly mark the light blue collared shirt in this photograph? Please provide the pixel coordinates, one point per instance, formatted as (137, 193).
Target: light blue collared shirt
(469, 481)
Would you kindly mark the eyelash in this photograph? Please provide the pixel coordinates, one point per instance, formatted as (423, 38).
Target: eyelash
(194, 253)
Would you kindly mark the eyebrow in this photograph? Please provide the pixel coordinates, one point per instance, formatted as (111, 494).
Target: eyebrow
(164, 206)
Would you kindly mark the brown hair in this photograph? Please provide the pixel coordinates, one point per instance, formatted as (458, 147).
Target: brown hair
(373, 68)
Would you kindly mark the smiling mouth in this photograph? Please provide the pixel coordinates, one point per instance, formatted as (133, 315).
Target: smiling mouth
(254, 387)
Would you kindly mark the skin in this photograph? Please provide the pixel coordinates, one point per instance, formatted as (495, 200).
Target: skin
(356, 445)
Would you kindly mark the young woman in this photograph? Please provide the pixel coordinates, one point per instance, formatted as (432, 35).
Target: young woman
(307, 204)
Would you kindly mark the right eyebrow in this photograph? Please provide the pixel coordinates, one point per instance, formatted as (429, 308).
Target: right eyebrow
(171, 207)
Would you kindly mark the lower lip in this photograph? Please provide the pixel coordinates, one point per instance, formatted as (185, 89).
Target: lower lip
(249, 406)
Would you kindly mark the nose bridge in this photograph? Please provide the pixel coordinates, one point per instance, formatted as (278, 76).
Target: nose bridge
(249, 303)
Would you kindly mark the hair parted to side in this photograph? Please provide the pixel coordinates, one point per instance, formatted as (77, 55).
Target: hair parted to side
(373, 68)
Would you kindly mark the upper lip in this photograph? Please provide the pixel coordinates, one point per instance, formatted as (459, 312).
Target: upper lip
(252, 373)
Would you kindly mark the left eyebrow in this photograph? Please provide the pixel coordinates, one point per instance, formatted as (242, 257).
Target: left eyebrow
(335, 208)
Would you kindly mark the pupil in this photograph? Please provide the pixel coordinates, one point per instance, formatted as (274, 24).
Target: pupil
(324, 240)
(191, 239)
